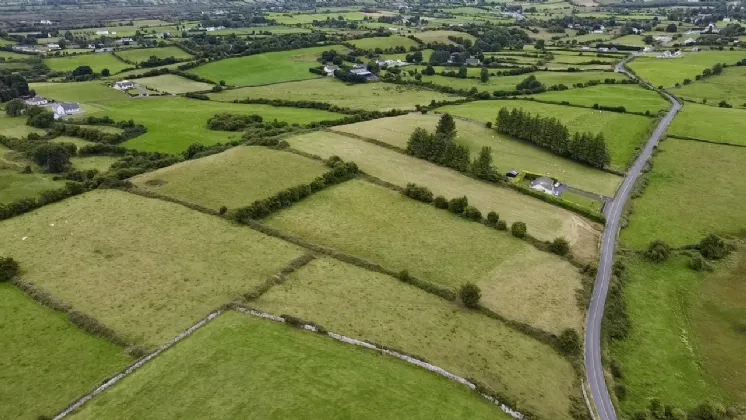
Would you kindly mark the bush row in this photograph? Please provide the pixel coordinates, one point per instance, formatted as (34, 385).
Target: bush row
(130, 131)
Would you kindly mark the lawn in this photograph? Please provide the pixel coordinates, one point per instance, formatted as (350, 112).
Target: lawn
(371, 306)
(97, 62)
(367, 96)
(694, 189)
(664, 355)
(45, 361)
(262, 69)
(143, 54)
(624, 133)
(171, 83)
(668, 72)
(728, 87)
(158, 272)
(293, 374)
(16, 127)
(85, 92)
(174, 123)
(722, 125)
(442, 36)
(384, 42)
(634, 98)
(544, 220)
(234, 178)
(508, 154)
(508, 83)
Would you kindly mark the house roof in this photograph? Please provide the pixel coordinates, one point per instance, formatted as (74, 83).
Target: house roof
(67, 106)
(543, 181)
(36, 99)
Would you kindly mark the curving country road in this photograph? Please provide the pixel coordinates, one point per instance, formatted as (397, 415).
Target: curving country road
(613, 212)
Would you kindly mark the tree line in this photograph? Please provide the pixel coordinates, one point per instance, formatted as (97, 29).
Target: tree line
(550, 133)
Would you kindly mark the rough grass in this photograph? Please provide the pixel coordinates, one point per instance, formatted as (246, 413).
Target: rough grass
(146, 268)
(624, 133)
(171, 83)
(16, 127)
(694, 189)
(100, 163)
(45, 361)
(727, 87)
(508, 154)
(86, 92)
(372, 306)
(14, 185)
(384, 42)
(662, 357)
(143, 54)
(293, 374)
(508, 83)
(367, 96)
(97, 62)
(233, 178)
(261, 69)
(544, 220)
(667, 72)
(722, 125)
(633, 98)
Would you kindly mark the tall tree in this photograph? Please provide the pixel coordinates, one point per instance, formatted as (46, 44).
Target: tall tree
(484, 75)
(446, 127)
(462, 72)
(482, 167)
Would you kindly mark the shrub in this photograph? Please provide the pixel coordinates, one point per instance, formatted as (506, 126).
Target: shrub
(492, 219)
(713, 247)
(472, 213)
(560, 246)
(418, 193)
(658, 251)
(440, 202)
(518, 229)
(458, 205)
(621, 391)
(569, 342)
(8, 268)
(470, 295)
(404, 276)
(697, 263)
(502, 225)
(223, 209)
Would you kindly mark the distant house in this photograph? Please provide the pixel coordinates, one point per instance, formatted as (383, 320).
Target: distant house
(364, 72)
(472, 62)
(126, 40)
(63, 109)
(54, 46)
(668, 54)
(123, 85)
(545, 185)
(36, 101)
(690, 41)
(603, 49)
(392, 63)
(330, 69)
(105, 33)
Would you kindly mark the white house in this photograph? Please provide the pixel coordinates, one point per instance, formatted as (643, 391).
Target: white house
(545, 185)
(49, 22)
(690, 41)
(63, 109)
(104, 33)
(329, 69)
(123, 85)
(36, 101)
(54, 46)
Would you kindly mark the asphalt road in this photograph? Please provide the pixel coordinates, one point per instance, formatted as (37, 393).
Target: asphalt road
(613, 211)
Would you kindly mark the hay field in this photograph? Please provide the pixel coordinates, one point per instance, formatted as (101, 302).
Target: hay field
(384, 42)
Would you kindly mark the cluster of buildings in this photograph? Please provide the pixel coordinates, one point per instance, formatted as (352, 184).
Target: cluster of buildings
(60, 109)
(669, 54)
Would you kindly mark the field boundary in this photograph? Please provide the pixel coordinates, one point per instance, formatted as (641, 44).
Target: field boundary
(135, 366)
(673, 136)
(401, 356)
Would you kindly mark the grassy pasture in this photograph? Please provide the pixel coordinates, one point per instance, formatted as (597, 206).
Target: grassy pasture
(508, 154)
(687, 197)
(233, 178)
(100, 163)
(508, 83)
(163, 268)
(722, 125)
(143, 54)
(727, 87)
(16, 126)
(175, 123)
(15, 185)
(261, 69)
(623, 132)
(367, 96)
(294, 374)
(579, 59)
(306, 18)
(630, 40)
(668, 72)
(85, 92)
(441, 36)
(384, 42)
(135, 72)
(544, 220)
(97, 62)
(633, 97)
(8, 55)
(46, 362)
(172, 83)
(401, 316)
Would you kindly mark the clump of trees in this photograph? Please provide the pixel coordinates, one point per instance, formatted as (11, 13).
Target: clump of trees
(418, 193)
(552, 134)
(530, 85)
(233, 122)
(518, 229)
(53, 157)
(39, 117)
(13, 85)
(470, 295)
(439, 147)
(71, 128)
(15, 107)
(713, 247)
(658, 251)
(560, 246)
(8, 269)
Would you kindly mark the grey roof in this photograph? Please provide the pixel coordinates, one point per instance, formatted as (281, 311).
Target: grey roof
(543, 181)
(36, 99)
(69, 106)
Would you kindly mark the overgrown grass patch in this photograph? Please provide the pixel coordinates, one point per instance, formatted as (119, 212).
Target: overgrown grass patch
(146, 268)
(234, 178)
(16, 127)
(441, 36)
(171, 83)
(15, 185)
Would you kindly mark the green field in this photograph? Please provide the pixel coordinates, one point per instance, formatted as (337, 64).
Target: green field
(100, 163)
(668, 72)
(371, 306)
(262, 69)
(728, 87)
(633, 97)
(234, 178)
(384, 43)
(630, 40)
(137, 72)
(14, 56)
(85, 92)
(97, 62)
(293, 374)
(722, 125)
(14, 185)
(16, 126)
(694, 189)
(579, 59)
(45, 361)
(175, 123)
(161, 270)
(544, 220)
(508, 83)
(305, 18)
(624, 133)
(442, 36)
(367, 96)
(171, 83)
(508, 154)
(143, 54)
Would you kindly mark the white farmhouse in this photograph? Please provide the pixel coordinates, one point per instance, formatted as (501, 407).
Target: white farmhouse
(545, 185)
(36, 101)
(123, 85)
(63, 109)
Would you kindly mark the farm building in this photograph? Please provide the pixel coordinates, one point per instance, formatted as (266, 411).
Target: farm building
(544, 184)
(36, 101)
(330, 69)
(63, 109)
(123, 85)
